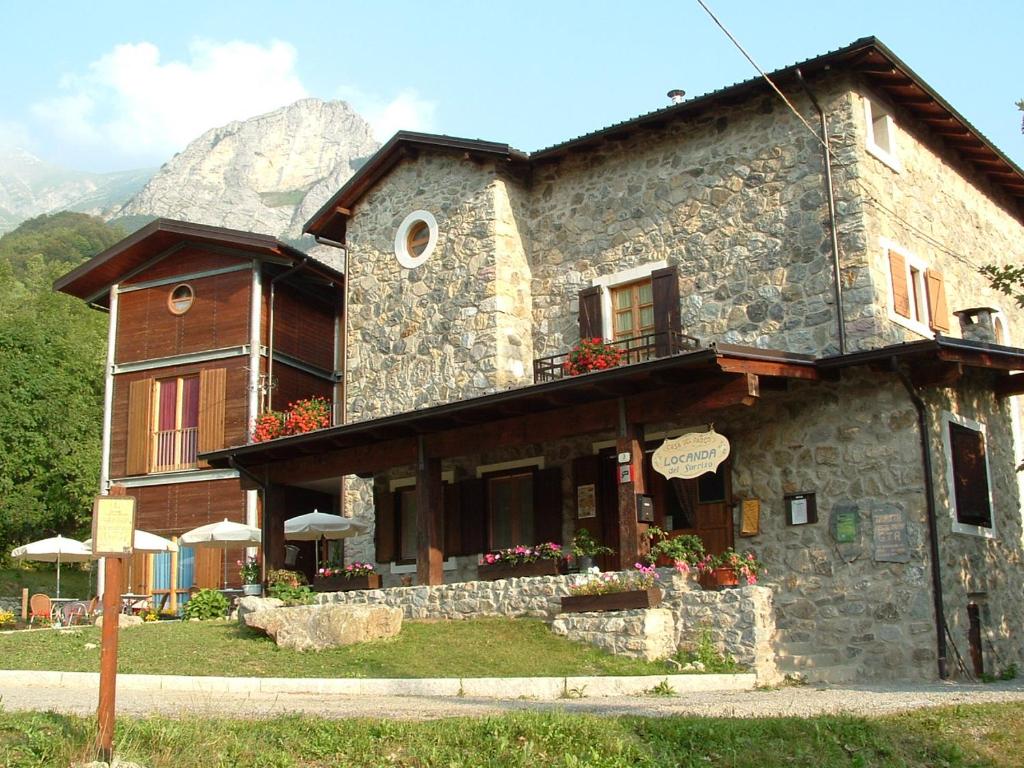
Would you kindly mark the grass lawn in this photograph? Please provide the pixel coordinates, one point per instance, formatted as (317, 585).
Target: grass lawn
(42, 577)
(473, 648)
(955, 737)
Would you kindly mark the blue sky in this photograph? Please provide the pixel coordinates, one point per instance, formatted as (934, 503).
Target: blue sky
(113, 85)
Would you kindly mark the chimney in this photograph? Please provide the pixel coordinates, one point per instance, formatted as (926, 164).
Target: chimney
(676, 95)
(976, 324)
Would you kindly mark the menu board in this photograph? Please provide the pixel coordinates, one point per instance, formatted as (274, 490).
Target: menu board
(113, 525)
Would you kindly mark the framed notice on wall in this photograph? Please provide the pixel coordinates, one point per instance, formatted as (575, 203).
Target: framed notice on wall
(113, 525)
(586, 501)
(750, 517)
(801, 509)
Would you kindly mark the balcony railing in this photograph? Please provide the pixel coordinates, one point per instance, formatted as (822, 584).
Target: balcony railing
(176, 449)
(635, 349)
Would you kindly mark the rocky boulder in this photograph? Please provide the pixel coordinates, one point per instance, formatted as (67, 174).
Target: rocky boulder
(315, 627)
(250, 605)
(123, 620)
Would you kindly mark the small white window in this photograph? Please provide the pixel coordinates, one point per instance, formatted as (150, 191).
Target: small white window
(416, 239)
(968, 479)
(881, 134)
(908, 289)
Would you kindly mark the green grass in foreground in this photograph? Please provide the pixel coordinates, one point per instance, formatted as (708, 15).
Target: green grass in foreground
(475, 648)
(955, 737)
(42, 577)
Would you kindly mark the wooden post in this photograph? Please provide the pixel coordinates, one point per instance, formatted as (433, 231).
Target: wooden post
(24, 604)
(429, 519)
(172, 601)
(105, 712)
(630, 482)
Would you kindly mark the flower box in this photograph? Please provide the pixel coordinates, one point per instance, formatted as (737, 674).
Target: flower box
(718, 578)
(613, 601)
(341, 583)
(496, 571)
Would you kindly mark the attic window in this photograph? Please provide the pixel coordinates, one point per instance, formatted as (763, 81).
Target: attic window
(180, 300)
(881, 134)
(415, 239)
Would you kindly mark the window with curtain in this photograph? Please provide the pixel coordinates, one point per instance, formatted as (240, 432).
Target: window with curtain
(176, 437)
(510, 510)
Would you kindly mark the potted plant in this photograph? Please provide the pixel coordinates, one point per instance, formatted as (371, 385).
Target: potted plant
(249, 570)
(729, 569)
(620, 591)
(302, 416)
(592, 355)
(685, 552)
(345, 578)
(585, 549)
(536, 560)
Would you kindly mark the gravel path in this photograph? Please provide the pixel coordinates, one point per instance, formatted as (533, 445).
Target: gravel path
(796, 701)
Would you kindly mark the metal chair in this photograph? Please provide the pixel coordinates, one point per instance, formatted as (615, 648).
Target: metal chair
(40, 607)
(74, 613)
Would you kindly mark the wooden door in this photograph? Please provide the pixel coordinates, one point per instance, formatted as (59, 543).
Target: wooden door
(700, 506)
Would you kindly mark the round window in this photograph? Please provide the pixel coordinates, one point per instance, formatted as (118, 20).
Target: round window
(181, 299)
(416, 239)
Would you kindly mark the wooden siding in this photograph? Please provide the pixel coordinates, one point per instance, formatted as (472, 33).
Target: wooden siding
(304, 327)
(235, 404)
(191, 258)
(293, 384)
(219, 317)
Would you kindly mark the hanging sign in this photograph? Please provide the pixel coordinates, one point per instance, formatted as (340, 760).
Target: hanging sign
(690, 455)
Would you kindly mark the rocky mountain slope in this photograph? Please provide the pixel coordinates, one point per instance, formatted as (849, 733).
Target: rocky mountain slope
(266, 174)
(29, 187)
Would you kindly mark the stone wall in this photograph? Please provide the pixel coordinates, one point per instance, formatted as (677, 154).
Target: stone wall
(740, 619)
(648, 633)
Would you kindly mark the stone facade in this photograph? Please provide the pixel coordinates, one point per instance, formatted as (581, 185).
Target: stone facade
(648, 634)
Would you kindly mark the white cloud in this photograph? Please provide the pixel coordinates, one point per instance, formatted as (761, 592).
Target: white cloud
(137, 105)
(406, 111)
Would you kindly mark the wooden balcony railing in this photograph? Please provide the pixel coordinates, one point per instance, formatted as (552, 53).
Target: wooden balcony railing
(635, 349)
(175, 449)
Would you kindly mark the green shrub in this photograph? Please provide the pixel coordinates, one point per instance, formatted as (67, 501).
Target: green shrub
(291, 595)
(206, 604)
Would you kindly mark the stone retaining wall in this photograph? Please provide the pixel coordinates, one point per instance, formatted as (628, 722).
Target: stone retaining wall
(741, 621)
(12, 604)
(645, 633)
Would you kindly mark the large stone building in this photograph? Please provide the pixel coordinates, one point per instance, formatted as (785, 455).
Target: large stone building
(837, 333)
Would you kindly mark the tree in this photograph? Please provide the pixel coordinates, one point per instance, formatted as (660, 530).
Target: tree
(1008, 280)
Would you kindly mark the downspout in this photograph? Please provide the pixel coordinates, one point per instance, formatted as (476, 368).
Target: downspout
(270, 330)
(253, 399)
(933, 528)
(830, 196)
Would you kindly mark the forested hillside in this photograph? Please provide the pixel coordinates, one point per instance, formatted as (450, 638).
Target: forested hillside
(52, 350)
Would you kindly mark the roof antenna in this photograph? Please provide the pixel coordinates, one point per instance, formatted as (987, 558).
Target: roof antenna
(676, 95)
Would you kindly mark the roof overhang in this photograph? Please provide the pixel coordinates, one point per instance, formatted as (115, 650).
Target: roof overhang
(90, 280)
(867, 57)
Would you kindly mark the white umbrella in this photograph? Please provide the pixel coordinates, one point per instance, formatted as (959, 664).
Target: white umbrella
(223, 535)
(144, 541)
(55, 550)
(315, 525)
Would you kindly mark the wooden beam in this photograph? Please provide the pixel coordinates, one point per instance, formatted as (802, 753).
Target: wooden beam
(363, 459)
(630, 482)
(1008, 386)
(768, 368)
(429, 520)
(937, 374)
(981, 359)
(343, 211)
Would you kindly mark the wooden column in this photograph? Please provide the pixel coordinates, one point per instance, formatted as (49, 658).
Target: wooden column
(108, 650)
(273, 527)
(630, 439)
(172, 600)
(429, 519)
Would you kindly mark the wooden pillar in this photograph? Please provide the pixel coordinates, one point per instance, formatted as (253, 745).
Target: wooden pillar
(108, 650)
(429, 519)
(273, 527)
(172, 600)
(630, 480)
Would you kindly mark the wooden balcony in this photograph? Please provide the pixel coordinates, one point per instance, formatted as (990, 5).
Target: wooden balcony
(635, 349)
(175, 449)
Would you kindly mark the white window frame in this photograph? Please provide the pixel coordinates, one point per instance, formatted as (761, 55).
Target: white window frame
(875, 111)
(958, 527)
(911, 260)
(411, 260)
(624, 277)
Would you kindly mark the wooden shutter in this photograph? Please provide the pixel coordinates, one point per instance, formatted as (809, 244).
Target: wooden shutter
(452, 523)
(938, 309)
(384, 528)
(900, 289)
(140, 426)
(212, 389)
(473, 516)
(590, 313)
(547, 505)
(208, 573)
(138, 579)
(665, 291)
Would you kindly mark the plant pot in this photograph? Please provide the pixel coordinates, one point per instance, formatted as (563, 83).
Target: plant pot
(341, 583)
(614, 601)
(584, 563)
(486, 572)
(252, 589)
(718, 578)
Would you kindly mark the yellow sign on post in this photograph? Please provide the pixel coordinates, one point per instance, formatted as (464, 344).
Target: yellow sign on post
(113, 526)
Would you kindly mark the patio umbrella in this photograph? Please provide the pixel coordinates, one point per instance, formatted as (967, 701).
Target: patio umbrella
(54, 550)
(144, 541)
(320, 525)
(222, 535)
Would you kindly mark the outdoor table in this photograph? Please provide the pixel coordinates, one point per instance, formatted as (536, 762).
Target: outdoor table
(128, 600)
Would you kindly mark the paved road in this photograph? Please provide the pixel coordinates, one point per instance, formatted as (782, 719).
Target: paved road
(799, 701)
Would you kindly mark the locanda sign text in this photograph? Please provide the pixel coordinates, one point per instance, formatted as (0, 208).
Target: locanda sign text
(691, 455)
